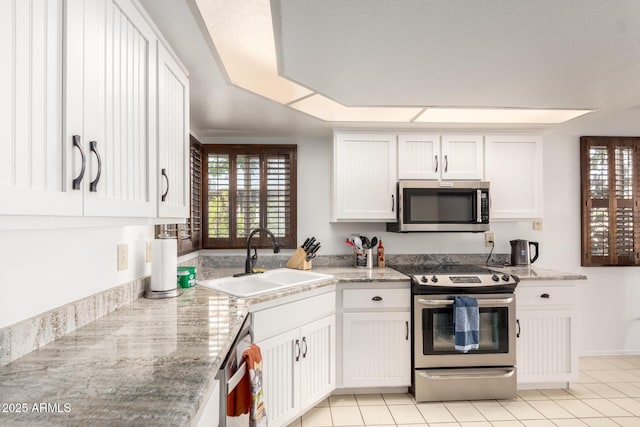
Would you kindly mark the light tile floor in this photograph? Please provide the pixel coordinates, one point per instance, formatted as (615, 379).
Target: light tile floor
(607, 394)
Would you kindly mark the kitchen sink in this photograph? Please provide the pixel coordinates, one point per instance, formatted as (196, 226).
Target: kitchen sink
(260, 283)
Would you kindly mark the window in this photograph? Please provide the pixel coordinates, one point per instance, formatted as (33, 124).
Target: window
(189, 234)
(249, 186)
(610, 187)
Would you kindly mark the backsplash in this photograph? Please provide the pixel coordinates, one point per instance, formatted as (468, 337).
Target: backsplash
(26, 336)
(269, 261)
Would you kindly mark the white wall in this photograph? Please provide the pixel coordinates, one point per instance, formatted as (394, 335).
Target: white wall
(609, 301)
(44, 269)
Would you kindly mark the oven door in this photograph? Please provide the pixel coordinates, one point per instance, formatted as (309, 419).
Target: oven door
(434, 336)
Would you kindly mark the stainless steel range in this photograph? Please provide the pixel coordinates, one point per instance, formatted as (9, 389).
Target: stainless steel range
(440, 372)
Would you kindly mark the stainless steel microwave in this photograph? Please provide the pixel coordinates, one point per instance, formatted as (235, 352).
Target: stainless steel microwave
(442, 206)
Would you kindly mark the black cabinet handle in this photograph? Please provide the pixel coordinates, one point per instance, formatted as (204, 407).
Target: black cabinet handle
(393, 203)
(376, 298)
(93, 185)
(78, 180)
(304, 352)
(298, 347)
(407, 335)
(446, 163)
(164, 174)
(547, 296)
(518, 333)
(436, 163)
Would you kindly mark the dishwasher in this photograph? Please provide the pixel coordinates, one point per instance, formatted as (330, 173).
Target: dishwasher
(231, 372)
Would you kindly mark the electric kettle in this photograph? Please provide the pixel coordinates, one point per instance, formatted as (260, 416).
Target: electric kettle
(521, 253)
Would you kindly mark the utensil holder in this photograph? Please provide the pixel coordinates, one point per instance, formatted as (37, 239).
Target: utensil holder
(298, 260)
(363, 258)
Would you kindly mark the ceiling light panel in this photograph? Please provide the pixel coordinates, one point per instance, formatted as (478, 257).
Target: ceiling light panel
(332, 111)
(497, 115)
(242, 33)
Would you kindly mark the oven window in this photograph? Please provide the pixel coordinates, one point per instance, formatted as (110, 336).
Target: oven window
(438, 335)
(437, 206)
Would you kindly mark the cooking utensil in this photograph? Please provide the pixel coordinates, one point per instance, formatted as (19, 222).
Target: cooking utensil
(374, 242)
(357, 241)
(349, 242)
(365, 242)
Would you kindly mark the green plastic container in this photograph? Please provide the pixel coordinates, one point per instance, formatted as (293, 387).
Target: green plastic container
(186, 277)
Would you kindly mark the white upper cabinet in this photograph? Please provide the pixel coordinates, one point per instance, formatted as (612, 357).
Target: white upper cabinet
(364, 177)
(78, 124)
(462, 157)
(419, 156)
(514, 168)
(431, 156)
(173, 137)
(33, 153)
(111, 105)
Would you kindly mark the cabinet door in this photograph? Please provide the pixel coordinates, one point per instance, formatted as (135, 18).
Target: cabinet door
(35, 159)
(419, 157)
(173, 137)
(118, 110)
(364, 183)
(376, 349)
(317, 363)
(281, 376)
(514, 168)
(462, 157)
(545, 349)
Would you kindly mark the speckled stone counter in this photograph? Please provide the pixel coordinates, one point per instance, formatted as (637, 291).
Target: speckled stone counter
(535, 273)
(149, 363)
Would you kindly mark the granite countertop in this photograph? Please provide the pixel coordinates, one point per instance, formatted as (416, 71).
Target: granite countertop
(149, 363)
(526, 273)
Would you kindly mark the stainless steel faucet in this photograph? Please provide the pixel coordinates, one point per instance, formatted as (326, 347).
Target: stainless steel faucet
(250, 262)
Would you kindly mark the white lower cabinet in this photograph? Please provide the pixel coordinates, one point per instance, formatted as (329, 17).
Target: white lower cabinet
(209, 413)
(376, 349)
(376, 337)
(299, 363)
(546, 332)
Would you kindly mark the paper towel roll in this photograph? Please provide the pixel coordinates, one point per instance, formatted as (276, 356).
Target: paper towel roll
(164, 264)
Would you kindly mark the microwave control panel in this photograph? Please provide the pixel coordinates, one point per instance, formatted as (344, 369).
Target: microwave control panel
(484, 207)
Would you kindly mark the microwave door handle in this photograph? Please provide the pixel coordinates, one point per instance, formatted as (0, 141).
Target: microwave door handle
(478, 206)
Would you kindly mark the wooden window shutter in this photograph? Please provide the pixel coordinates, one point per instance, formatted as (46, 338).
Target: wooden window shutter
(249, 186)
(609, 196)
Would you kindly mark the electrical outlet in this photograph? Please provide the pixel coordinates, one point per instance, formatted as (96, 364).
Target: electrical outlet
(537, 225)
(489, 239)
(148, 253)
(123, 257)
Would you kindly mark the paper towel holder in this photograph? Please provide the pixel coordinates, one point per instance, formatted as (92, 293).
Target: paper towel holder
(151, 294)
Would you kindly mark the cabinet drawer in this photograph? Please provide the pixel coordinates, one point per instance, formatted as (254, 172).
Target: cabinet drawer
(557, 295)
(273, 321)
(376, 298)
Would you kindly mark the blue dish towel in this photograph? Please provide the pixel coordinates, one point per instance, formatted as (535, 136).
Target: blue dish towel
(466, 319)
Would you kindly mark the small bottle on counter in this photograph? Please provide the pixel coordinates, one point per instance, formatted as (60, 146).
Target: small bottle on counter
(380, 255)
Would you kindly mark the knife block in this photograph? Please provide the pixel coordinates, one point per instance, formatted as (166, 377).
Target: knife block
(298, 260)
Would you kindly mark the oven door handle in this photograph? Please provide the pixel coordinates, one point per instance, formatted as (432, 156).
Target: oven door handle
(508, 373)
(488, 301)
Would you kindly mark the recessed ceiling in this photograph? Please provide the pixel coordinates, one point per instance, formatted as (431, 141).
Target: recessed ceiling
(459, 53)
(411, 53)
